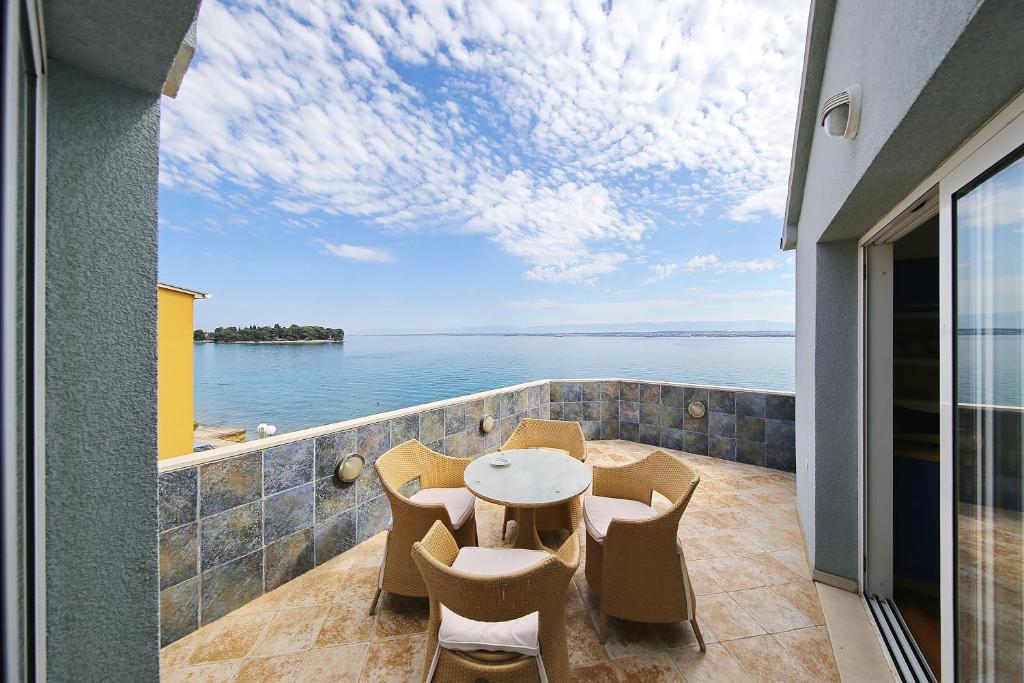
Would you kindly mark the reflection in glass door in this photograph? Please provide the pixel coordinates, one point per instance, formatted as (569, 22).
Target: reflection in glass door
(988, 264)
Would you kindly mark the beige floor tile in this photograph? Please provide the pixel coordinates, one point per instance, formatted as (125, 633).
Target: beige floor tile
(813, 649)
(702, 579)
(275, 669)
(395, 661)
(370, 552)
(331, 664)
(626, 638)
(804, 597)
(339, 563)
(291, 630)
(680, 633)
(590, 599)
(772, 571)
(347, 621)
(178, 653)
(230, 637)
(584, 645)
(360, 581)
(795, 561)
(732, 573)
(595, 673)
(573, 601)
(766, 661)
(317, 588)
(217, 672)
(725, 619)
(268, 602)
(402, 616)
(650, 668)
(770, 609)
(714, 666)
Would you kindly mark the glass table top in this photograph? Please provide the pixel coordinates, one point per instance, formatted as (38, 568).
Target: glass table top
(534, 477)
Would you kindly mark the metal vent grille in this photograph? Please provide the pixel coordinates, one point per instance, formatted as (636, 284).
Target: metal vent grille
(831, 103)
(903, 651)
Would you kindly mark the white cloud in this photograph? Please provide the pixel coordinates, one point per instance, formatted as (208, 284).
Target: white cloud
(554, 129)
(710, 262)
(352, 252)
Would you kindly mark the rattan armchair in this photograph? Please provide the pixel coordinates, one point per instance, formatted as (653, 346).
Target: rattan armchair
(635, 563)
(496, 614)
(442, 498)
(559, 434)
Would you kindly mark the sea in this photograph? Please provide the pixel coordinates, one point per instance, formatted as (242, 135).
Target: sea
(296, 386)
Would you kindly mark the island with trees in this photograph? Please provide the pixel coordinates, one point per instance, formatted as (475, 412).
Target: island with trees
(277, 334)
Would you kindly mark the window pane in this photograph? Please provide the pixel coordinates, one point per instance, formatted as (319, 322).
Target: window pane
(989, 220)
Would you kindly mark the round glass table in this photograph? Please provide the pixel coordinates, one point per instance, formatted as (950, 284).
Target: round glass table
(533, 478)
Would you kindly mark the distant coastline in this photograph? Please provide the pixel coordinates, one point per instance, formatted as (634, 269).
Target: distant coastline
(274, 341)
(271, 334)
(666, 333)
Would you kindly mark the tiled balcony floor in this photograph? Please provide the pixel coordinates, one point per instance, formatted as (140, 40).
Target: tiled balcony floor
(756, 604)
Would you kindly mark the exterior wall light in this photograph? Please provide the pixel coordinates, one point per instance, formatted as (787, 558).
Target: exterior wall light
(696, 409)
(350, 467)
(840, 115)
(487, 424)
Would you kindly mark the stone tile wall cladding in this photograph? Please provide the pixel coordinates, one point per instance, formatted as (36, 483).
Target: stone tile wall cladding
(235, 528)
(753, 427)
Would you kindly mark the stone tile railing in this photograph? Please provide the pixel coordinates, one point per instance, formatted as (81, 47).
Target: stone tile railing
(753, 427)
(241, 520)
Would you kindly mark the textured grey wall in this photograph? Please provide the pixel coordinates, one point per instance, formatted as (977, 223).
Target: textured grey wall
(806, 452)
(835, 398)
(932, 72)
(101, 270)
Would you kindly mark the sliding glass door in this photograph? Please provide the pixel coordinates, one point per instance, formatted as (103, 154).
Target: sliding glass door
(988, 415)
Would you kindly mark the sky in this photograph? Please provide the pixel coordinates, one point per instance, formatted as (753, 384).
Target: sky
(438, 164)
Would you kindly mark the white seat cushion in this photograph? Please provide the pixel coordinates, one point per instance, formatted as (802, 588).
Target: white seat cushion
(598, 513)
(518, 635)
(458, 502)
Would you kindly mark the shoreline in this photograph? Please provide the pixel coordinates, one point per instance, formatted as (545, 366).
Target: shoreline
(277, 341)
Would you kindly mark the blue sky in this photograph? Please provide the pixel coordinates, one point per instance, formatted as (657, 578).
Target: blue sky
(387, 166)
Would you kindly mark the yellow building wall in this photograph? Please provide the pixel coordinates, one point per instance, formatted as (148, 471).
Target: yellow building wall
(174, 373)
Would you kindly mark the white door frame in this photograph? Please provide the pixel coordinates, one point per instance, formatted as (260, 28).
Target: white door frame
(999, 137)
(1003, 143)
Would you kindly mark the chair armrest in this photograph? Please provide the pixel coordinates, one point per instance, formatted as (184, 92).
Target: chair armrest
(440, 544)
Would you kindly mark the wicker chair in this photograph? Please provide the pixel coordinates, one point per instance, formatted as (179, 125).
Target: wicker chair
(496, 614)
(559, 434)
(635, 564)
(442, 498)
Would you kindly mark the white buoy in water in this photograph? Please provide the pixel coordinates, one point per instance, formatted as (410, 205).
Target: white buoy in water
(264, 429)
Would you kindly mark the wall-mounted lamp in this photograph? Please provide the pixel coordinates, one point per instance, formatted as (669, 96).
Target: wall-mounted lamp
(840, 115)
(696, 409)
(487, 424)
(350, 467)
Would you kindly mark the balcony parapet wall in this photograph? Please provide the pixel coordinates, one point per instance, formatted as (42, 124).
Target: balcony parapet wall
(241, 520)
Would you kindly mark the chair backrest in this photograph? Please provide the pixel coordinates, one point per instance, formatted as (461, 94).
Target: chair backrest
(401, 464)
(660, 472)
(561, 434)
(538, 588)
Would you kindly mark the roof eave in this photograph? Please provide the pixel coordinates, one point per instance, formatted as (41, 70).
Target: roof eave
(819, 30)
(184, 290)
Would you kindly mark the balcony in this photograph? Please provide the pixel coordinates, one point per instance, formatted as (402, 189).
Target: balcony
(293, 604)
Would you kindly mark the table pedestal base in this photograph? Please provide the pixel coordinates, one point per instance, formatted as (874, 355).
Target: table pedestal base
(526, 530)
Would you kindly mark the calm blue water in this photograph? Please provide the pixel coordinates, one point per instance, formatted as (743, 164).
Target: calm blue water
(295, 386)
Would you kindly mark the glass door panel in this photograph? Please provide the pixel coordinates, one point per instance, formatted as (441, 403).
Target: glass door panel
(988, 264)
